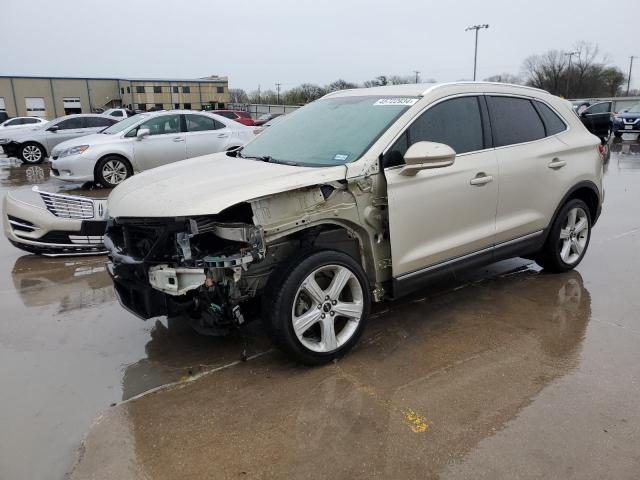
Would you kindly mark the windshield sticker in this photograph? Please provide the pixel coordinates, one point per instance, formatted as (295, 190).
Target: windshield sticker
(341, 157)
(396, 101)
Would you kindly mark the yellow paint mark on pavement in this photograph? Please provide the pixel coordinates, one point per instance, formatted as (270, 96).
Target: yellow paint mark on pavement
(417, 422)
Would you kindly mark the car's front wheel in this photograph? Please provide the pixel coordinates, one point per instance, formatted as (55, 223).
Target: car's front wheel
(617, 134)
(112, 171)
(316, 305)
(32, 153)
(568, 238)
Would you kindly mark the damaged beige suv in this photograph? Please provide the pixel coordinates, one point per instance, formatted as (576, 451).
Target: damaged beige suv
(361, 196)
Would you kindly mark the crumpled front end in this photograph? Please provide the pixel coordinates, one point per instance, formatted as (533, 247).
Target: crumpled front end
(193, 266)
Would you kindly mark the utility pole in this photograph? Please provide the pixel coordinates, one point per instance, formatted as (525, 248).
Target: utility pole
(475, 55)
(417, 75)
(258, 93)
(570, 55)
(630, 67)
(278, 90)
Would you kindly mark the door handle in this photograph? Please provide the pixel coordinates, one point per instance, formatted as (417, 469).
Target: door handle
(222, 135)
(178, 139)
(557, 163)
(481, 179)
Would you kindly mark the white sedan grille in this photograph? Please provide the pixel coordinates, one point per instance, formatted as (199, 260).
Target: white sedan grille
(67, 206)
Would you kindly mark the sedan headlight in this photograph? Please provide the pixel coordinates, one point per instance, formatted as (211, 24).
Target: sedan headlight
(4, 140)
(73, 151)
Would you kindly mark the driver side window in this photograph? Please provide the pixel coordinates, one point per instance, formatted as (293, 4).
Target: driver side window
(162, 125)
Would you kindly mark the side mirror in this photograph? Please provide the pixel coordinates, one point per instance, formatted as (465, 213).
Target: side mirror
(53, 128)
(423, 155)
(143, 132)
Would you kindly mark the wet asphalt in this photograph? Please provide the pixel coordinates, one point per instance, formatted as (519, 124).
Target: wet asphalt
(509, 372)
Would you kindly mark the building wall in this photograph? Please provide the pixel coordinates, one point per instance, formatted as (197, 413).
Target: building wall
(106, 93)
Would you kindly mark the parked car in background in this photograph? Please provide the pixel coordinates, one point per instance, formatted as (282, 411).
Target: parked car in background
(54, 223)
(627, 121)
(237, 115)
(119, 113)
(145, 141)
(3, 116)
(35, 144)
(598, 118)
(580, 105)
(16, 123)
(262, 119)
(270, 123)
(409, 184)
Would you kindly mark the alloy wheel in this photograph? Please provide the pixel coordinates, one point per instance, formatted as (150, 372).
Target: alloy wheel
(114, 171)
(574, 235)
(327, 308)
(31, 153)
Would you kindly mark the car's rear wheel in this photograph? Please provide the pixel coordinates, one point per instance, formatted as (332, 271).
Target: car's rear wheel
(316, 306)
(112, 171)
(32, 153)
(568, 238)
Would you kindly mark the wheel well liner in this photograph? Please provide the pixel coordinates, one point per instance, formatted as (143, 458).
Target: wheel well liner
(587, 192)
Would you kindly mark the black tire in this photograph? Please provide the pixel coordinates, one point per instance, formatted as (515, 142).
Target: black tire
(116, 161)
(32, 153)
(552, 257)
(286, 287)
(617, 134)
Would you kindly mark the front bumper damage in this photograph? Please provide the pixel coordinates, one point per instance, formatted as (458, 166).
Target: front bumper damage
(171, 269)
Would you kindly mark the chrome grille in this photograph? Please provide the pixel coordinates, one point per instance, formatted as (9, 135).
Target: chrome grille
(67, 206)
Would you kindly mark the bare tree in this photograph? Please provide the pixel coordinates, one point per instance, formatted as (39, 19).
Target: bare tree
(237, 95)
(590, 74)
(340, 85)
(504, 78)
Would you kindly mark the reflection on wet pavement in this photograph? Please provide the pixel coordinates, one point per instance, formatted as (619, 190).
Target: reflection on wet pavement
(506, 370)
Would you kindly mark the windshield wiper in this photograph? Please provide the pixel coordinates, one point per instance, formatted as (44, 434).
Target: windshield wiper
(265, 158)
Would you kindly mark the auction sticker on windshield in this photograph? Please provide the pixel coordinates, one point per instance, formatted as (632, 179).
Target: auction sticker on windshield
(396, 101)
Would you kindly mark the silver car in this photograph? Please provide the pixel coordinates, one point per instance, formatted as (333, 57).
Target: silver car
(34, 145)
(145, 141)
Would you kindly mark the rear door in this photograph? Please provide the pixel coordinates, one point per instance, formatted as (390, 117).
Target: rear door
(205, 135)
(443, 213)
(164, 144)
(533, 168)
(597, 118)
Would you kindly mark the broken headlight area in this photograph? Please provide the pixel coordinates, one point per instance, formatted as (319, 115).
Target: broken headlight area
(199, 264)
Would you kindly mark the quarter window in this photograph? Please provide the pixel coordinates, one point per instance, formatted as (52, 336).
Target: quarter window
(514, 120)
(552, 123)
(200, 123)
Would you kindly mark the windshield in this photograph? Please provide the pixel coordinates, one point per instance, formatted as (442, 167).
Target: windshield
(123, 124)
(331, 131)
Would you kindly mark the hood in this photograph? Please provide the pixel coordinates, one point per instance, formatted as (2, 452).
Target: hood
(93, 139)
(207, 185)
(628, 115)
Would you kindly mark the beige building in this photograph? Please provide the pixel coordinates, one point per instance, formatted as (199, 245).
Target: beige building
(51, 97)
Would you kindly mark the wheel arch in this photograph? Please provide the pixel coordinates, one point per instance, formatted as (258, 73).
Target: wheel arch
(36, 142)
(106, 155)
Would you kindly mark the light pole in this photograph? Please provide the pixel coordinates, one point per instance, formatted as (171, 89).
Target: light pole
(278, 90)
(475, 56)
(570, 55)
(417, 75)
(630, 67)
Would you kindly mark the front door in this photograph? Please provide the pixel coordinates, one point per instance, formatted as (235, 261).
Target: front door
(164, 144)
(443, 213)
(597, 119)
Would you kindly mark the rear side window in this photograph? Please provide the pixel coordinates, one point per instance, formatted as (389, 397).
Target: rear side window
(552, 122)
(26, 121)
(200, 123)
(227, 114)
(456, 122)
(514, 120)
(71, 123)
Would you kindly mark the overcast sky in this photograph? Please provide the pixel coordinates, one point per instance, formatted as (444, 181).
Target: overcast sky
(261, 42)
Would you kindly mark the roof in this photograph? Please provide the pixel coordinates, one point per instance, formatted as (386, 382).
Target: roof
(124, 79)
(422, 89)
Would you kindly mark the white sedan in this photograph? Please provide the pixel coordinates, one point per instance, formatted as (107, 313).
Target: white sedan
(145, 141)
(21, 122)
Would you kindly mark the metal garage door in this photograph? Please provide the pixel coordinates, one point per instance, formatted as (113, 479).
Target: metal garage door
(72, 105)
(35, 107)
